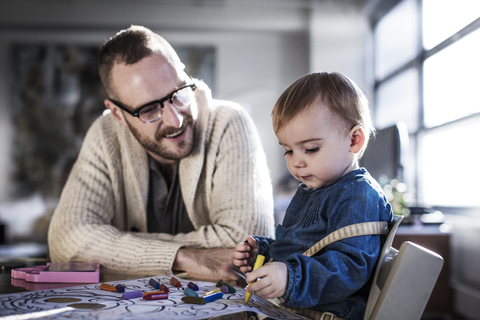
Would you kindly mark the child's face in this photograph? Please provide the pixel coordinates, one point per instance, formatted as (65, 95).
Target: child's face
(316, 149)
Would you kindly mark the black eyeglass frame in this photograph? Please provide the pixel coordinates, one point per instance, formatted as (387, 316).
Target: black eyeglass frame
(169, 97)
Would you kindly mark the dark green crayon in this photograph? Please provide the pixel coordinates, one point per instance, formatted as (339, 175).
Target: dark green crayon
(194, 300)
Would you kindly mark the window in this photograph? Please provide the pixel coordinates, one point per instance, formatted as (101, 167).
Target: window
(443, 18)
(392, 52)
(393, 107)
(448, 160)
(451, 82)
(427, 74)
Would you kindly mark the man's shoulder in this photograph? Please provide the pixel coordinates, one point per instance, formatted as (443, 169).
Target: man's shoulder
(230, 109)
(218, 104)
(104, 130)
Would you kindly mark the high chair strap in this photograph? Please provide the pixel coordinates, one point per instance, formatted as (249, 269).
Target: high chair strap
(353, 230)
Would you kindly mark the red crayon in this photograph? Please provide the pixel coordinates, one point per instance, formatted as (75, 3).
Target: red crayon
(164, 288)
(156, 296)
(151, 292)
(175, 282)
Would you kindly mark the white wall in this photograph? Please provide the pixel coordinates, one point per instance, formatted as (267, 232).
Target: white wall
(339, 41)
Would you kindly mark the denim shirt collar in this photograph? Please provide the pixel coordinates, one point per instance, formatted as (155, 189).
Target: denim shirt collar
(361, 171)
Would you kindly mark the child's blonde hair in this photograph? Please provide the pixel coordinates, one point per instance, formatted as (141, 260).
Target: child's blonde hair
(340, 94)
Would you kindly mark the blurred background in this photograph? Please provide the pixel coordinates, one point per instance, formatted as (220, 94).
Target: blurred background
(416, 61)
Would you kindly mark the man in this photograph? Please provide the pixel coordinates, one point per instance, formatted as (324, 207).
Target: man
(169, 179)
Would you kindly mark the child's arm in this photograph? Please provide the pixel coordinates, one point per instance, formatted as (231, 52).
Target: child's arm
(245, 253)
(333, 276)
(272, 280)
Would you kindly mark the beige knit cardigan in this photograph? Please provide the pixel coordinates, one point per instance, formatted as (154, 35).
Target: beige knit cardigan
(225, 183)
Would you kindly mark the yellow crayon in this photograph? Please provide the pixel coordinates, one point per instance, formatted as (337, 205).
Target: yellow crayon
(258, 264)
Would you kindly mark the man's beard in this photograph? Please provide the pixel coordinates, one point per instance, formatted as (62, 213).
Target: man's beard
(181, 150)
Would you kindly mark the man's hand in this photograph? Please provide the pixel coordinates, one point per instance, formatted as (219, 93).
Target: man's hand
(272, 280)
(208, 264)
(245, 253)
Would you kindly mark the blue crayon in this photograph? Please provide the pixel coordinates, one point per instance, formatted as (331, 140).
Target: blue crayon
(120, 288)
(213, 297)
(154, 283)
(189, 292)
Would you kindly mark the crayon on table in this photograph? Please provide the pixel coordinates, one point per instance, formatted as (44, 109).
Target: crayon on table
(154, 283)
(108, 287)
(203, 300)
(120, 288)
(189, 292)
(164, 288)
(175, 282)
(230, 288)
(224, 289)
(156, 296)
(193, 286)
(151, 292)
(195, 300)
(213, 297)
(132, 295)
(258, 264)
(211, 292)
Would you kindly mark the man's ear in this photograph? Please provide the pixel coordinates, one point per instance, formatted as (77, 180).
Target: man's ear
(116, 112)
(357, 139)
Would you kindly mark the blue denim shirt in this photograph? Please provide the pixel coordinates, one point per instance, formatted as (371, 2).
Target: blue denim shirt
(336, 279)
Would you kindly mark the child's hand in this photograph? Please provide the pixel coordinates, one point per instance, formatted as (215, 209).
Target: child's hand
(245, 253)
(272, 283)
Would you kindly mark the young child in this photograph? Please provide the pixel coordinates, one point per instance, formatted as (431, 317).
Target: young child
(322, 121)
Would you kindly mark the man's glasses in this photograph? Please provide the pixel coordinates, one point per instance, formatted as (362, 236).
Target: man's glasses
(153, 111)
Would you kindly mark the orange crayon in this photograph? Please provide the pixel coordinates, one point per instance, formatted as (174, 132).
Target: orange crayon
(108, 287)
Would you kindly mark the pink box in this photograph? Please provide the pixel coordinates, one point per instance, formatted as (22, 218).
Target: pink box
(59, 272)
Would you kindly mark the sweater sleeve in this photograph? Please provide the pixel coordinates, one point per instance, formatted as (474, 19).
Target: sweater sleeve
(93, 221)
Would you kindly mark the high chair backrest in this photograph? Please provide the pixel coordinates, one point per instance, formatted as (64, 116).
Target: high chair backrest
(403, 280)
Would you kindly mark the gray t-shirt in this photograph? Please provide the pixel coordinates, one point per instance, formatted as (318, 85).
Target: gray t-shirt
(166, 212)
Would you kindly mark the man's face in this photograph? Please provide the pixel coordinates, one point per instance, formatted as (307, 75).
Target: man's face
(152, 78)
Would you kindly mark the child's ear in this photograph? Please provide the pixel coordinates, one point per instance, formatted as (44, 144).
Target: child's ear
(357, 139)
(116, 112)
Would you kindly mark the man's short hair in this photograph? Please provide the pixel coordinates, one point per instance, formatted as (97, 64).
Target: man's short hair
(337, 92)
(129, 46)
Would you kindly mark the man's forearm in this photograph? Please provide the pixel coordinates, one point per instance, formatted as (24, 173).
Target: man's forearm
(211, 264)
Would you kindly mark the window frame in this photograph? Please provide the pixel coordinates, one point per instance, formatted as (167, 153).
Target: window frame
(375, 14)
